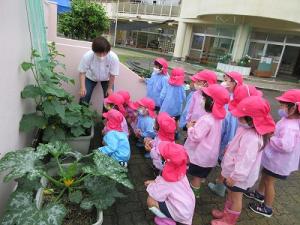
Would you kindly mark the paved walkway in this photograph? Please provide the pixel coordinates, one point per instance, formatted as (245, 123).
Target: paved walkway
(132, 210)
(144, 60)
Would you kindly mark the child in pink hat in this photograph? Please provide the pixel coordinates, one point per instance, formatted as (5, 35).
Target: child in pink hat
(172, 95)
(159, 78)
(165, 127)
(241, 162)
(145, 121)
(229, 127)
(116, 101)
(203, 141)
(281, 155)
(170, 196)
(130, 113)
(200, 80)
(116, 144)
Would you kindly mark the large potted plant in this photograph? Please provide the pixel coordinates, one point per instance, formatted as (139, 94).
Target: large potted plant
(243, 66)
(68, 193)
(57, 114)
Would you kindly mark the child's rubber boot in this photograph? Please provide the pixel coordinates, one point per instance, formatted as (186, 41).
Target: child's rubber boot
(164, 221)
(218, 214)
(197, 191)
(230, 218)
(218, 188)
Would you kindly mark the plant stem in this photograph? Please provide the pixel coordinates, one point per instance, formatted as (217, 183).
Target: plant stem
(56, 182)
(81, 179)
(60, 194)
(59, 166)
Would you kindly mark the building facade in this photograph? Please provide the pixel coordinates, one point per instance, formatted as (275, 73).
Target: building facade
(258, 28)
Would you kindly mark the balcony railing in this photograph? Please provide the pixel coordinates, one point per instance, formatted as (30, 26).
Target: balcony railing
(143, 9)
(146, 9)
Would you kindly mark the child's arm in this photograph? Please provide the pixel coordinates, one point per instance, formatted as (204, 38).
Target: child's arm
(199, 131)
(191, 107)
(159, 190)
(245, 158)
(285, 141)
(111, 144)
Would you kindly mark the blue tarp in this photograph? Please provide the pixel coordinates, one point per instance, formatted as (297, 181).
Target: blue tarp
(63, 6)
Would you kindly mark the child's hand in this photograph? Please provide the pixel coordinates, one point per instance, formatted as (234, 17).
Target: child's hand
(190, 124)
(147, 182)
(142, 79)
(148, 144)
(230, 182)
(220, 179)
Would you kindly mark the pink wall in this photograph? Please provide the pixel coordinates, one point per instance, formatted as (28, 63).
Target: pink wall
(74, 50)
(15, 47)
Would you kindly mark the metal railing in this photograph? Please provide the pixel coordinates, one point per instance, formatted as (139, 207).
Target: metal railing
(146, 9)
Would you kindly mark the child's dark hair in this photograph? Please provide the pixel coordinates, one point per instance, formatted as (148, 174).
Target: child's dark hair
(266, 137)
(290, 105)
(101, 45)
(209, 102)
(158, 64)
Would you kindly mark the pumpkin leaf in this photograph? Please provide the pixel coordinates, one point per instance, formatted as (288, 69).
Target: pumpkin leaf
(26, 66)
(102, 193)
(75, 197)
(108, 167)
(22, 163)
(22, 210)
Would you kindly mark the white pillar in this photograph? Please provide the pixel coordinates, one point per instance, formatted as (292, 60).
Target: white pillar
(240, 41)
(187, 41)
(179, 40)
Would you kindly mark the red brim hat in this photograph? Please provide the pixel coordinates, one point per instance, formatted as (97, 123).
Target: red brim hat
(218, 109)
(175, 161)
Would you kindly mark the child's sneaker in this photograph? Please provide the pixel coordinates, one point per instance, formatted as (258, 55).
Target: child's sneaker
(261, 208)
(254, 195)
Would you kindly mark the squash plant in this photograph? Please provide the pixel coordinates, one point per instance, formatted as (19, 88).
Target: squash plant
(57, 113)
(89, 181)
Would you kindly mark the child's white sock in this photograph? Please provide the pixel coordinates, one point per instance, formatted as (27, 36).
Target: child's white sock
(157, 212)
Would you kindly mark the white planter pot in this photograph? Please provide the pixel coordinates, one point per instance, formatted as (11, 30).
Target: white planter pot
(245, 71)
(81, 144)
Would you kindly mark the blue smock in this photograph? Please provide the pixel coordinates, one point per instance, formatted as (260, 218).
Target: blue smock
(172, 99)
(182, 121)
(155, 85)
(146, 125)
(116, 146)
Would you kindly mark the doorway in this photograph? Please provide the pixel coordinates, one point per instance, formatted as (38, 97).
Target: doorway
(290, 64)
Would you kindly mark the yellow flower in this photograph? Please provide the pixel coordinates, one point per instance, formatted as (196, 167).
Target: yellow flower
(68, 182)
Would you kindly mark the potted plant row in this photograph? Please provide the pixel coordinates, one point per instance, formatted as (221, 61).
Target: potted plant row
(57, 115)
(56, 193)
(243, 66)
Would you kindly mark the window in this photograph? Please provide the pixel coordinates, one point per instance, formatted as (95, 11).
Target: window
(274, 51)
(276, 37)
(197, 42)
(256, 50)
(259, 36)
(293, 39)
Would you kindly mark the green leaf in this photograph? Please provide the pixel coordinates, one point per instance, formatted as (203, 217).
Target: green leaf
(31, 121)
(102, 193)
(108, 167)
(22, 210)
(22, 163)
(54, 107)
(77, 131)
(53, 133)
(75, 197)
(56, 149)
(31, 91)
(71, 171)
(27, 185)
(26, 66)
(54, 90)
